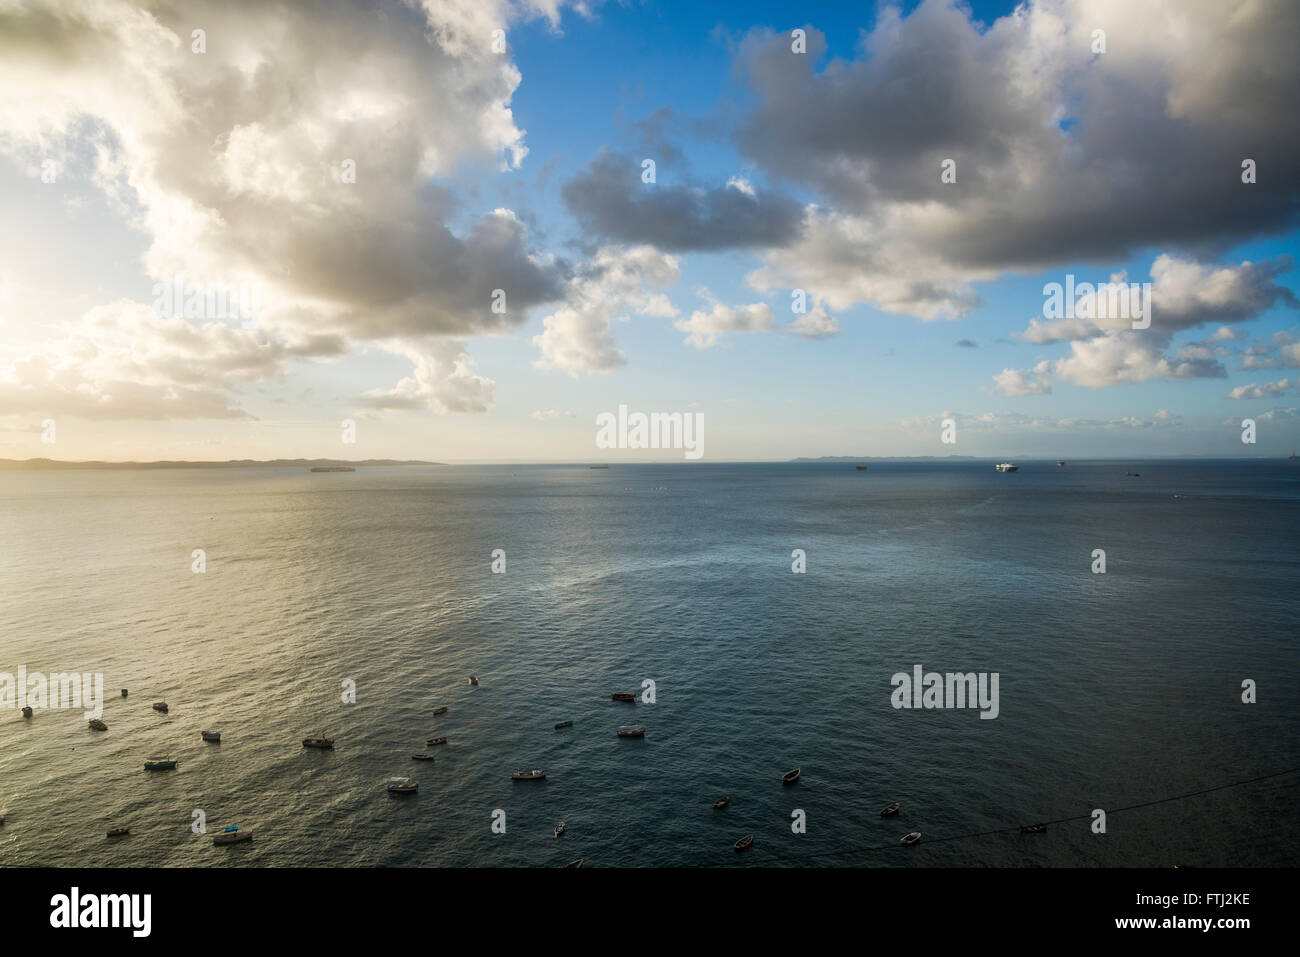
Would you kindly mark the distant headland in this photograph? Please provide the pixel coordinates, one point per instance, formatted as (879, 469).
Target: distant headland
(230, 464)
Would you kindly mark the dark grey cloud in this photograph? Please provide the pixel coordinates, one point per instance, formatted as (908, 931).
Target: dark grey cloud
(610, 201)
(1061, 155)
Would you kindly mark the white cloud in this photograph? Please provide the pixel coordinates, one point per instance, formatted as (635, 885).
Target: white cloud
(705, 329)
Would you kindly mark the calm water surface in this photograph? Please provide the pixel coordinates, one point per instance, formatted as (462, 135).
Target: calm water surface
(1115, 689)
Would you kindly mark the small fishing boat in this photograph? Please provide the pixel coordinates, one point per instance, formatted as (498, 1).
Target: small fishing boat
(422, 757)
(318, 742)
(564, 724)
(232, 835)
(159, 764)
(401, 786)
(744, 842)
(860, 468)
(213, 736)
(1133, 474)
(473, 680)
(1033, 828)
(559, 829)
(27, 711)
(160, 706)
(577, 863)
(1006, 467)
(721, 802)
(442, 710)
(97, 725)
(889, 810)
(119, 832)
(527, 775)
(623, 696)
(1060, 465)
(907, 840)
(123, 692)
(790, 776)
(434, 742)
(630, 732)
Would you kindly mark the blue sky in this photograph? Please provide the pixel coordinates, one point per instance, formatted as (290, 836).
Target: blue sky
(1079, 163)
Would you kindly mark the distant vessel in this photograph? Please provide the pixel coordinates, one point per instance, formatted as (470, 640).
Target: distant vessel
(332, 468)
(597, 466)
(160, 706)
(433, 742)
(422, 757)
(27, 711)
(440, 710)
(744, 842)
(1060, 464)
(473, 680)
(159, 764)
(889, 810)
(119, 832)
(97, 725)
(1006, 467)
(401, 786)
(907, 840)
(1133, 474)
(577, 863)
(623, 696)
(123, 692)
(721, 802)
(790, 776)
(232, 835)
(213, 736)
(629, 732)
(1033, 828)
(1291, 457)
(860, 468)
(559, 829)
(564, 724)
(318, 742)
(527, 775)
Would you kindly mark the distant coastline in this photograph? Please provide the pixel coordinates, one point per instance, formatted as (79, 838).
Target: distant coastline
(230, 464)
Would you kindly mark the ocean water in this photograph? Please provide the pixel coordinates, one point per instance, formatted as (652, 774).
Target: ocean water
(1114, 690)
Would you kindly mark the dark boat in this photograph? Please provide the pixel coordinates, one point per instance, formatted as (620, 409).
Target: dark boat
(623, 696)
(559, 829)
(160, 706)
(577, 863)
(123, 692)
(119, 832)
(97, 725)
(1033, 828)
(527, 775)
(442, 710)
(630, 732)
(908, 840)
(422, 757)
(722, 802)
(27, 711)
(790, 776)
(1132, 474)
(435, 741)
(744, 842)
(1060, 465)
(889, 810)
(318, 742)
(860, 468)
(564, 724)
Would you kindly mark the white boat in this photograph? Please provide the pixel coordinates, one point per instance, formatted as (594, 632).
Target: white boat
(527, 775)
(232, 835)
(1006, 467)
(401, 786)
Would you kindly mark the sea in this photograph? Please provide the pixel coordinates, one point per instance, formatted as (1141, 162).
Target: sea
(1164, 691)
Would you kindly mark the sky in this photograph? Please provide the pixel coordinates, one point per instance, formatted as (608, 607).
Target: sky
(436, 222)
